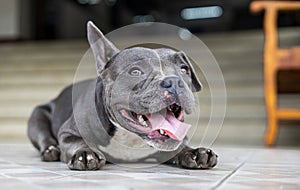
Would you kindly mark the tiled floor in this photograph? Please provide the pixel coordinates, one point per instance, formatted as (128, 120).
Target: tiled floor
(238, 168)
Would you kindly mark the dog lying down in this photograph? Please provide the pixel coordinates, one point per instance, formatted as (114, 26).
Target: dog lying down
(140, 96)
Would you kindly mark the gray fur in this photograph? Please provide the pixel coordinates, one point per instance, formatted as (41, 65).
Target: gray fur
(81, 125)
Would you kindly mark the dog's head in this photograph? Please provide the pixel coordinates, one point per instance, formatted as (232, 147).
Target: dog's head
(146, 91)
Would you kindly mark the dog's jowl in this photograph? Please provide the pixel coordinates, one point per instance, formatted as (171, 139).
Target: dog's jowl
(139, 98)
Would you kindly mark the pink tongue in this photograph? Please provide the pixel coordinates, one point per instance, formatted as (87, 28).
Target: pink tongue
(170, 124)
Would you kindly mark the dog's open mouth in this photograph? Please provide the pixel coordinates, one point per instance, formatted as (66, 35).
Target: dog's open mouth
(164, 124)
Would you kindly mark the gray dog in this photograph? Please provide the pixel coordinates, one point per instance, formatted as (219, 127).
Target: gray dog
(139, 97)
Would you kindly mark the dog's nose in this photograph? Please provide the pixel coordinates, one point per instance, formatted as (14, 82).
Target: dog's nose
(172, 83)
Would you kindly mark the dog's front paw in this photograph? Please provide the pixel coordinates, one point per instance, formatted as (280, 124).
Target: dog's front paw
(86, 160)
(199, 158)
(52, 153)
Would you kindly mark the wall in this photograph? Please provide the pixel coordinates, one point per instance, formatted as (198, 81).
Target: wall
(9, 19)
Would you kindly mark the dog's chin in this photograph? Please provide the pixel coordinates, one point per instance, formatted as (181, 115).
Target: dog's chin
(164, 130)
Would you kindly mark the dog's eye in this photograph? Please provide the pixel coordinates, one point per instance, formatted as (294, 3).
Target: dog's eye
(184, 70)
(135, 72)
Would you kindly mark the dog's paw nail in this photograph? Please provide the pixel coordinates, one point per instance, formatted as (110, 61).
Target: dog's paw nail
(89, 157)
(86, 160)
(51, 147)
(52, 153)
(199, 158)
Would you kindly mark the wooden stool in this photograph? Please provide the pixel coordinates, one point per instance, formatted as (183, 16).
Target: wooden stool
(276, 59)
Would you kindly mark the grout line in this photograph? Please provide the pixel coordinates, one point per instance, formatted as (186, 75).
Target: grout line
(224, 179)
(25, 181)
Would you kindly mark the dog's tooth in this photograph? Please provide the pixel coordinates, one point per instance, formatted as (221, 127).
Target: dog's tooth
(144, 123)
(140, 118)
(162, 132)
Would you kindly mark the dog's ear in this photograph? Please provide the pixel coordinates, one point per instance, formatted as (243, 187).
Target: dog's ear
(195, 81)
(102, 48)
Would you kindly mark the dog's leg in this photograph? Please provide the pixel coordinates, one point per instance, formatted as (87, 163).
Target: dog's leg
(199, 158)
(74, 150)
(39, 132)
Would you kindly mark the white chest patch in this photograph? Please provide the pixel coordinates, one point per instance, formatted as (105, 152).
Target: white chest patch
(127, 146)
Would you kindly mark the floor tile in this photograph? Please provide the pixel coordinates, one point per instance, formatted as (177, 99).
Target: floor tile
(238, 168)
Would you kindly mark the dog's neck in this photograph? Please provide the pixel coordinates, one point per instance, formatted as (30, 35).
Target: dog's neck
(101, 109)
(124, 146)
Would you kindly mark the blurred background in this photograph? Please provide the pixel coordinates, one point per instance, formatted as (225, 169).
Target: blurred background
(42, 42)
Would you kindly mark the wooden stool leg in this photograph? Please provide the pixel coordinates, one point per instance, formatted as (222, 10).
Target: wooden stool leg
(272, 130)
(272, 56)
(271, 106)
(270, 72)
